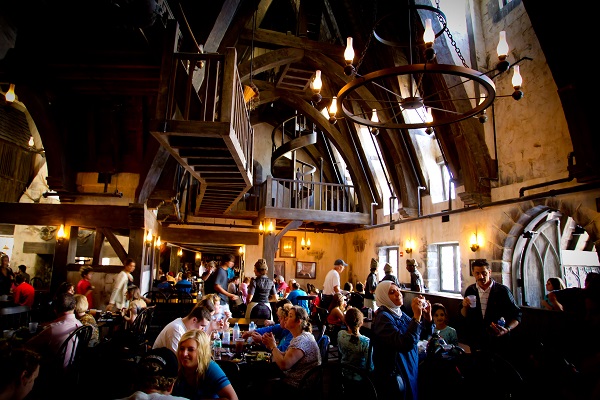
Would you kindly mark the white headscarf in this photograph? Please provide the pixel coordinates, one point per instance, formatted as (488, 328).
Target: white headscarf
(383, 298)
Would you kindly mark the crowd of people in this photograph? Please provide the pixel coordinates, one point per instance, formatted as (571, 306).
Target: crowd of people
(178, 363)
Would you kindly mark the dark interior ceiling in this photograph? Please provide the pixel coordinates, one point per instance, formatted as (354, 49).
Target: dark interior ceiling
(89, 71)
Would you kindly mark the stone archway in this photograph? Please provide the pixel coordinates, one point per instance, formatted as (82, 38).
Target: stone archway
(527, 216)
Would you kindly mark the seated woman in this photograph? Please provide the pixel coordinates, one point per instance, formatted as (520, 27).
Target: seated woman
(336, 319)
(279, 331)
(354, 347)
(200, 377)
(136, 304)
(302, 354)
(81, 313)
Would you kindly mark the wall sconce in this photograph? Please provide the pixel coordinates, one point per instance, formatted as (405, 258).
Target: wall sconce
(198, 256)
(267, 227)
(241, 251)
(149, 237)
(61, 234)
(410, 244)
(476, 242)
(305, 243)
(157, 243)
(180, 252)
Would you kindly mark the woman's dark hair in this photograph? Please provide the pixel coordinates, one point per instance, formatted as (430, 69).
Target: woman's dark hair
(128, 261)
(348, 286)
(64, 287)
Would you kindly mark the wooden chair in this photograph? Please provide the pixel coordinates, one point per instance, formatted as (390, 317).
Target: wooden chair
(311, 385)
(72, 351)
(323, 344)
(156, 296)
(37, 283)
(353, 383)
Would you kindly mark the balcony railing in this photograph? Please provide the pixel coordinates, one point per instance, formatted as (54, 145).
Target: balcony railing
(307, 195)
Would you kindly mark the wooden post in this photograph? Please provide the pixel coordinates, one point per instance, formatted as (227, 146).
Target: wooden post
(64, 254)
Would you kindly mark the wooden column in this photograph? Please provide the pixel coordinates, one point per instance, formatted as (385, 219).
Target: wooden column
(64, 254)
(270, 243)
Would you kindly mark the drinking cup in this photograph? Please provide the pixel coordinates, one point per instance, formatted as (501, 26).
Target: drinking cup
(239, 345)
(33, 327)
(473, 299)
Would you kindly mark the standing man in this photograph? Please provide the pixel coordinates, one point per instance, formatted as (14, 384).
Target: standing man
(118, 296)
(416, 279)
(371, 285)
(218, 282)
(332, 285)
(493, 301)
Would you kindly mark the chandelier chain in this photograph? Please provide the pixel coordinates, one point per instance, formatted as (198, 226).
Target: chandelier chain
(364, 52)
(452, 41)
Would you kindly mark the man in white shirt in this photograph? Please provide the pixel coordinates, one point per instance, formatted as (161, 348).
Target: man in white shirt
(198, 318)
(332, 282)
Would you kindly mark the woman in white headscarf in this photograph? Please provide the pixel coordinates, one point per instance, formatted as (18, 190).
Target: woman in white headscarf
(395, 337)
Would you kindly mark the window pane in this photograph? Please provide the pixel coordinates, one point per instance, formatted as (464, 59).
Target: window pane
(448, 268)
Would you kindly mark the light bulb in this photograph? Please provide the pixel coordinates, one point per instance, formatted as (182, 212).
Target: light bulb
(198, 256)
(308, 243)
(61, 232)
(158, 243)
(317, 83)
(428, 35)
(149, 236)
(374, 117)
(349, 52)
(325, 112)
(261, 228)
(473, 239)
(271, 228)
(31, 142)
(517, 79)
(10, 95)
(502, 48)
(333, 107)
(303, 243)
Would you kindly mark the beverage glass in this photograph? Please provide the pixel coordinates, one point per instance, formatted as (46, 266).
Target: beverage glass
(239, 346)
(33, 327)
(473, 299)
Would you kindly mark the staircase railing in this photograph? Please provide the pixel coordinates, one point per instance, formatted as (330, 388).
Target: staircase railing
(207, 88)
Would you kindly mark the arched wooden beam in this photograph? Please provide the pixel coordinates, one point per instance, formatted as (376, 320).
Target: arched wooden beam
(269, 61)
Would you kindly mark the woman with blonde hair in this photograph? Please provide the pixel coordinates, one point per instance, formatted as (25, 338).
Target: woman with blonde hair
(261, 289)
(199, 376)
(81, 308)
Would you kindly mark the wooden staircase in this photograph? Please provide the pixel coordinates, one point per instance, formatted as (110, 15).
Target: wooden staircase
(207, 130)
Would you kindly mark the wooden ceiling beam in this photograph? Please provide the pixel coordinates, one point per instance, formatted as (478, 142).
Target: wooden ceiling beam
(207, 236)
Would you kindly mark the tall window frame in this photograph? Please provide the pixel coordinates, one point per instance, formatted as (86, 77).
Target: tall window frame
(449, 267)
(388, 254)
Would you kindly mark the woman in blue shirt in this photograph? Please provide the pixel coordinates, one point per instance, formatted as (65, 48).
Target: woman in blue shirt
(200, 377)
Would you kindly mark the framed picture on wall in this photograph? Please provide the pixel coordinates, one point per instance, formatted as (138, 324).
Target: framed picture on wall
(287, 247)
(279, 268)
(306, 270)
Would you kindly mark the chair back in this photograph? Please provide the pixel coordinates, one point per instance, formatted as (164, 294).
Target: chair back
(260, 310)
(71, 350)
(141, 323)
(323, 344)
(37, 283)
(354, 382)
(156, 296)
(311, 384)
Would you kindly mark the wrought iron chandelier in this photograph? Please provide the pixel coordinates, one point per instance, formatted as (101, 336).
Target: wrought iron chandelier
(425, 94)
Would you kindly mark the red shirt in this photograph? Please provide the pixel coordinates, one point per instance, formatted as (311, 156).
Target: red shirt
(24, 294)
(82, 287)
